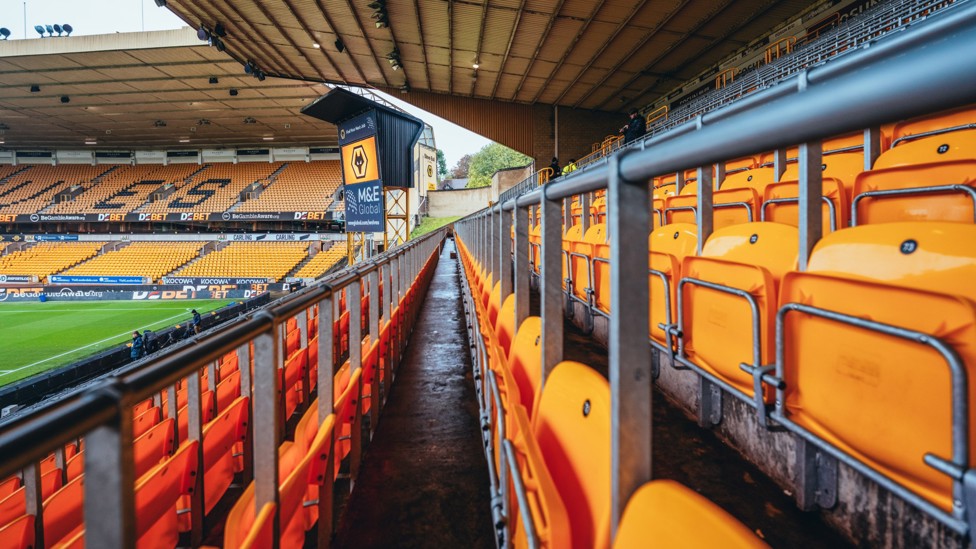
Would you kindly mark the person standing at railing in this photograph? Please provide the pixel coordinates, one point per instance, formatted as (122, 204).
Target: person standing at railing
(554, 166)
(137, 346)
(635, 128)
(570, 168)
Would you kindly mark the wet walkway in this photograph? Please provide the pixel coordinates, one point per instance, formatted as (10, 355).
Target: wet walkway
(423, 481)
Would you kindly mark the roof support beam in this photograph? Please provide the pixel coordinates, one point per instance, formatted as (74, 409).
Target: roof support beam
(569, 50)
(508, 48)
(653, 32)
(538, 47)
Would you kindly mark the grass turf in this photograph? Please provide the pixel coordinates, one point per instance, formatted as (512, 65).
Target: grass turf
(35, 337)
(429, 224)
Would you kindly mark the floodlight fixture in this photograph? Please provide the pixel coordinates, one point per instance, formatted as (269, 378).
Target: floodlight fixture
(160, 3)
(377, 5)
(68, 29)
(233, 92)
(340, 45)
(316, 45)
(4, 33)
(214, 80)
(35, 88)
(219, 44)
(260, 74)
(65, 99)
(382, 22)
(57, 29)
(250, 120)
(249, 67)
(50, 30)
(40, 30)
(203, 34)
(219, 30)
(160, 123)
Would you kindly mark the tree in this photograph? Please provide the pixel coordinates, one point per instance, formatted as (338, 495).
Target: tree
(460, 170)
(441, 166)
(490, 159)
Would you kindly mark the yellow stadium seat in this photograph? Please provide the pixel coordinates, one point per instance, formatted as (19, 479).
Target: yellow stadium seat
(839, 171)
(668, 246)
(663, 513)
(912, 276)
(718, 326)
(572, 427)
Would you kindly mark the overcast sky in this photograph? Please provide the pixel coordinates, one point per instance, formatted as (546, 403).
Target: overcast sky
(110, 16)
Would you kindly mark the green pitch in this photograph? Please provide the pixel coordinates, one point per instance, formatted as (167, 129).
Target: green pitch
(35, 337)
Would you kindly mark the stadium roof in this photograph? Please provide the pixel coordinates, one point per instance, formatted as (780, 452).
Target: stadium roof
(122, 88)
(580, 53)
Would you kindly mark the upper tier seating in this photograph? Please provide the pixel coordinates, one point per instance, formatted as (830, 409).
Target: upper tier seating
(33, 189)
(215, 189)
(126, 188)
(299, 187)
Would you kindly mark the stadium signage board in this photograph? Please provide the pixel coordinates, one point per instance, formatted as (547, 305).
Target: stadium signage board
(17, 279)
(77, 279)
(165, 217)
(361, 173)
(195, 280)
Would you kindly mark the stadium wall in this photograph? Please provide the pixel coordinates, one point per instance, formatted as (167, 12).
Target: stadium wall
(458, 202)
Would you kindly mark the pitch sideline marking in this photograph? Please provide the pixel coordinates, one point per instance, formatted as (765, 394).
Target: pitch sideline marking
(8, 372)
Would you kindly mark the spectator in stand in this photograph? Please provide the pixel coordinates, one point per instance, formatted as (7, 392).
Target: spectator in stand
(196, 321)
(554, 166)
(137, 346)
(635, 128)
(570, 168)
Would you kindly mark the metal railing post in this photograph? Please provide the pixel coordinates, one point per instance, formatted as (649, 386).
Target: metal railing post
(505, 252)
(326, 377)
(267, 420)
(109, 508)
(811, 200)
(629, 352)
(705, 216)
(522, 267)
(551, 289)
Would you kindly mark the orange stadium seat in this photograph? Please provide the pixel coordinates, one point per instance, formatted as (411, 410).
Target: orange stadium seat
(839, 171)
(913, 276)
(718, 326)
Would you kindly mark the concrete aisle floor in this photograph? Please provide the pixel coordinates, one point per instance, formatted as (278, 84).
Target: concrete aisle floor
(424, 481)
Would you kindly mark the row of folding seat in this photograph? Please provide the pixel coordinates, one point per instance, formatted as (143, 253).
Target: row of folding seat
(558, 489)
(46, 258)
(923, 173)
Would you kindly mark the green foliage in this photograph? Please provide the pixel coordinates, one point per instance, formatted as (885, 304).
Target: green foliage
(460, 170)
(490, 159)
(42, 336)
(429, 224)
(441, 166)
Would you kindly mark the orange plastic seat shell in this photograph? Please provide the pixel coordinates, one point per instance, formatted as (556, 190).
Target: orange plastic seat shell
(668, 246)
(896, 389)
(663, 513)
(944, 206)
(717, 326)
(572, 427)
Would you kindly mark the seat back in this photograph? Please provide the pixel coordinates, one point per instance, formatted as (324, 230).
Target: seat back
(18, 534)
(912, 276)
(572, 427)
(505, 324)
(957, 145)
(64, 511)
(219, 438)
(547, 513)
(157, 494)
(525, 362)
(15, 504)
(718, 327)
(954, 118)
(668, 247)
(153, 446)
(675, 516)
(957, 205)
